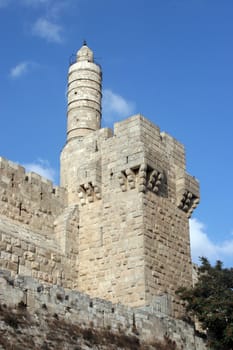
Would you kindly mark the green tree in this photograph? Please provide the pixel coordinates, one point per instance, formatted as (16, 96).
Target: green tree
(211, 301)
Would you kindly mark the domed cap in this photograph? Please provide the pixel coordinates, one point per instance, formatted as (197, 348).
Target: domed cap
(85, 54)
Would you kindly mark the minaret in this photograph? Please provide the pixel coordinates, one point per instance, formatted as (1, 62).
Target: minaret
(83, 115)
(84, 95)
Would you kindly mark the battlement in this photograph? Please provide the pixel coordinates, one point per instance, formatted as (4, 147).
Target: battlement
(28, 197)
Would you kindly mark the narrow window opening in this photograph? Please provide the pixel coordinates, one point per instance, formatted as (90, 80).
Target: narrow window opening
(18, 262)
(25, 297)
(101, 236)
(12, 180)
(20, 209)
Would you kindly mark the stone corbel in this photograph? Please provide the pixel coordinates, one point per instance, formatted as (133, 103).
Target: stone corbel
(188, 202)
(97, 192)
(131, 178)
(142, 178)
(155, 181)
(89, 192)
(82, 195)
(122, 181)
(187, 194)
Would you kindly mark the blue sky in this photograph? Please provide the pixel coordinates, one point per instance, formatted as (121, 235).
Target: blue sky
(171, 60)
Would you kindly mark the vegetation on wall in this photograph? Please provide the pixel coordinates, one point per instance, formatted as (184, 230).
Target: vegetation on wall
(211, 302)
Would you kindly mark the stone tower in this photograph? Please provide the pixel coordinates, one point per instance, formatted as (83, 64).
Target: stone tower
(83, 112)
(118, 226)
(84, 95)
(133, 196)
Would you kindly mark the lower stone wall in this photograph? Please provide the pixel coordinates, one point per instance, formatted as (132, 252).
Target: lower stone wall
(26, 252)
(79, 308)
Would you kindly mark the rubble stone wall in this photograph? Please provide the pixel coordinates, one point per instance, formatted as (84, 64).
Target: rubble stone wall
(148, 323)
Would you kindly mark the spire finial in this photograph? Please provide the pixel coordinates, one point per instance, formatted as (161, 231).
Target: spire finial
(84, 43)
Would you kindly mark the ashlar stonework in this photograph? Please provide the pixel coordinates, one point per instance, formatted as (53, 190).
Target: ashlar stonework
(117, 227)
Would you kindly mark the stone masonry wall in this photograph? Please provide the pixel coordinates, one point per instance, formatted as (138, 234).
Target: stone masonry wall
(166, 235)
(29, 198)
(120, 229)
(110, 240)
(78, 308)
(169, 195)
(29, 253)
(134, 199)
(38, 233)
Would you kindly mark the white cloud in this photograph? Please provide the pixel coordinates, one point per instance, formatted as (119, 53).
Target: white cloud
(47, 30)
(41, 167)
(115, 106)
(20, 69)
(202, 245)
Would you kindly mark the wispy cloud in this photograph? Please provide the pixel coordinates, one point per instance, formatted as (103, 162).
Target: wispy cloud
(21, 69)
(41, 167)
(30, 3)
(35, 2)
(48, 24)
(202, 245)
(48, 30)
(115, 106)
(4, 3)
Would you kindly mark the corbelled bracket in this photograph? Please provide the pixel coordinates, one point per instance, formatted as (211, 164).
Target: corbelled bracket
(155, 181)
(188, 203)
(143, 178)
(127, 179)
(122, 181)
(187, 194)
(88, 193)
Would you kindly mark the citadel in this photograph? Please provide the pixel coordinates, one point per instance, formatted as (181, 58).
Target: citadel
(117, 227)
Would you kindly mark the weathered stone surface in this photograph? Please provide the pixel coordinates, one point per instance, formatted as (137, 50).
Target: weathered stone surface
(148, 323)
(117, 228)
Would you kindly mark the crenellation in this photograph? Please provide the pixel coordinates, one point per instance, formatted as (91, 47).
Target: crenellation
(28, 197)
